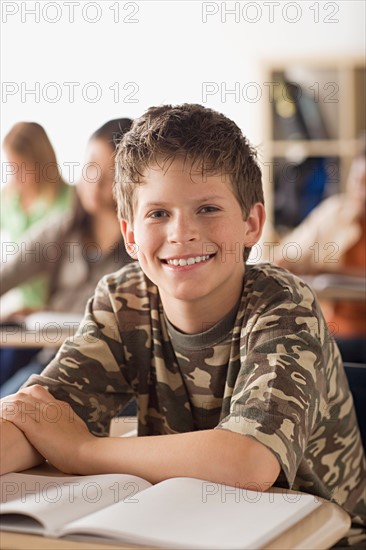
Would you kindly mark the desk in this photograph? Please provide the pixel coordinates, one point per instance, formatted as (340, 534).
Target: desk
(318, 530)
(41, 329)
(333, 287)
(19, 337)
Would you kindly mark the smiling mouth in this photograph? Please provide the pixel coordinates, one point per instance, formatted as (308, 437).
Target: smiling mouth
(188, 261)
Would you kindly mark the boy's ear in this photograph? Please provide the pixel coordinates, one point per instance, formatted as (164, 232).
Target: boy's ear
(129, 238)
(255, 222)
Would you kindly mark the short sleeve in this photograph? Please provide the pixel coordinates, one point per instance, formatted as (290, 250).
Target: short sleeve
(280, 391)
(88, 371)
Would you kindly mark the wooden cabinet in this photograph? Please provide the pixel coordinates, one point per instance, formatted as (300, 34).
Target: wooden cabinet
(314, 114)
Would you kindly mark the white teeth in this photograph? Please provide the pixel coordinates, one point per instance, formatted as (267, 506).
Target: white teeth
(188, 261)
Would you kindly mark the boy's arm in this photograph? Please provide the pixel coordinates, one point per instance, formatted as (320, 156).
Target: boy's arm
(218, 456)
(16, 453)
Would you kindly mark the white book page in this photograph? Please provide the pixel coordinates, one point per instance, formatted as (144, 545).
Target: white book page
(190, 513)
(54, 501)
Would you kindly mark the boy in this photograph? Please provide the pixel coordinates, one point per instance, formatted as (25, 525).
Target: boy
(232, 363)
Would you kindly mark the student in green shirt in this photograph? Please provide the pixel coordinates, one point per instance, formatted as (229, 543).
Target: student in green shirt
(88, 242)
(34, 191)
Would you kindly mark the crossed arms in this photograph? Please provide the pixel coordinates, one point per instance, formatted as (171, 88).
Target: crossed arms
(28, 437)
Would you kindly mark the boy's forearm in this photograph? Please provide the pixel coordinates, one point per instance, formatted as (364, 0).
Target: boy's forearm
(218, 456)
(16, 453)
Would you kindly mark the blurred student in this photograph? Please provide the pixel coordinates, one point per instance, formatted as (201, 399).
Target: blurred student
(332, 239)
(35, 191)
(74, 251)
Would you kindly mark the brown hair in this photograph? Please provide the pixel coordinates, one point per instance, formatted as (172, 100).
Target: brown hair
(112, 131)
(205, 138)
(29, 140)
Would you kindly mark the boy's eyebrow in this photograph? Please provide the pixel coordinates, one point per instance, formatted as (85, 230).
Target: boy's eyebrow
(208, 198)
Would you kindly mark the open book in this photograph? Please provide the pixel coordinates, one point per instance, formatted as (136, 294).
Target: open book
(176, 513)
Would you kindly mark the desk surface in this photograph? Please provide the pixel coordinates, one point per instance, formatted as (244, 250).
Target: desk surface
(18, 337)
(337, 287)
(41, 329)
(318, 530)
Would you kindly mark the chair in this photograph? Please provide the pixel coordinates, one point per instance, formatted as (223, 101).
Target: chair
(356, 374)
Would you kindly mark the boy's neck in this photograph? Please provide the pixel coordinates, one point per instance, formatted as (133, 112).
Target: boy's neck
(198, 316)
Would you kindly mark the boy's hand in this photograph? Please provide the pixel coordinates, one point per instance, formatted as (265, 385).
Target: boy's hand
(16, 453)
(50, 425)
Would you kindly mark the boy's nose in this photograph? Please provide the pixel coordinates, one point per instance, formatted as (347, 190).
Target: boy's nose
(182, 229)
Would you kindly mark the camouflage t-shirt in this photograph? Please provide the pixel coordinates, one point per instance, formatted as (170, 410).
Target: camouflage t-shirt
(270, 370)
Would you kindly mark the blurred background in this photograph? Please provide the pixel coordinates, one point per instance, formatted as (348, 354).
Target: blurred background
(71, 66)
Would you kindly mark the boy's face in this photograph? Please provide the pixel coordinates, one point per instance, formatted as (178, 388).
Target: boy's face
(189, 234)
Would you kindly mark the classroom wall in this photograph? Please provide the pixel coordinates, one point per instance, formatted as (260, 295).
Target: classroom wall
(121, 57)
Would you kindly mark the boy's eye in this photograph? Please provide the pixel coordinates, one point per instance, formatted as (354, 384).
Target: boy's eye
(205, 209)
(157, 214)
